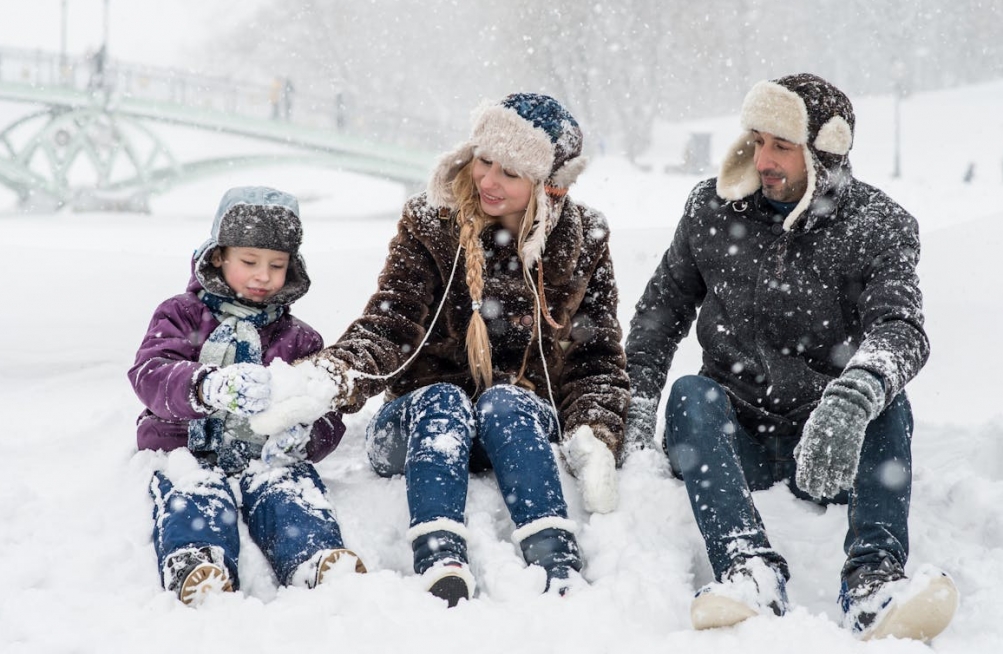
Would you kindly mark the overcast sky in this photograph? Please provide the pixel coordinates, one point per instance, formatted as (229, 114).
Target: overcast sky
(139, 31)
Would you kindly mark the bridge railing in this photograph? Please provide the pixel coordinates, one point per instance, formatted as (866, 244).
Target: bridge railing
(277, 99)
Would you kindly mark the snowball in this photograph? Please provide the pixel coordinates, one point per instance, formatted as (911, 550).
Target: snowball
(300, 394)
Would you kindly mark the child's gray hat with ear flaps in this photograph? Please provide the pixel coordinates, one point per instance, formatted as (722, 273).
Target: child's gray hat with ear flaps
(255, 217)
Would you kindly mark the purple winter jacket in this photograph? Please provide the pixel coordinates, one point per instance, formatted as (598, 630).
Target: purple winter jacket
(167, 371)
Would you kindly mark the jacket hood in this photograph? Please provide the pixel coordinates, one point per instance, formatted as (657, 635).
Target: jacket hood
(255, 217)
(807, 111)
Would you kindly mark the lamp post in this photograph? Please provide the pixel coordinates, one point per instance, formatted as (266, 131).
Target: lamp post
(63, 70)
(898, 77)
(106, 22)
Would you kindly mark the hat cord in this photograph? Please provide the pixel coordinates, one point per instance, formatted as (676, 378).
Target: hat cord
(428, 332)
(435, 318)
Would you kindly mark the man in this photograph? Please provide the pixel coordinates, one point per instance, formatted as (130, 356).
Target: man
(811, 324)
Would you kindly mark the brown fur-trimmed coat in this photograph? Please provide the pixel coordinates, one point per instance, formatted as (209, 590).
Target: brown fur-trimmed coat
(585, 358)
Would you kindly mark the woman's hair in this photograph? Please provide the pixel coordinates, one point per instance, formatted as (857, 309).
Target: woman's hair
(471, 221)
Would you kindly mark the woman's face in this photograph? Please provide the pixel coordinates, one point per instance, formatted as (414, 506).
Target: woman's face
(503, 194)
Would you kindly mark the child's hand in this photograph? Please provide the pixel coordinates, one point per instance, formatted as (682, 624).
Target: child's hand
(301, 393)
(242, 389)
(286, 448)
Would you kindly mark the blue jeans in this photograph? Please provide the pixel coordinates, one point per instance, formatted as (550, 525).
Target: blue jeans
(721, 461)
(286, 509)
(436, 436)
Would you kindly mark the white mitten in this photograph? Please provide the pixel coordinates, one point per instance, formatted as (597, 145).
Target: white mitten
(241, 389)
(593, 464)
(301, 394)
(286, 448)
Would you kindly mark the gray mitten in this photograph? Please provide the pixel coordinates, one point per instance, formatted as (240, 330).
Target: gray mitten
(242, 389)
(829, 451)
(642, 419)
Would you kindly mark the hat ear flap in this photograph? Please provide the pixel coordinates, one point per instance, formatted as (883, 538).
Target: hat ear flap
(543, 222)
(566, 175)
(440, 186)
(738, 176)
(835, 136)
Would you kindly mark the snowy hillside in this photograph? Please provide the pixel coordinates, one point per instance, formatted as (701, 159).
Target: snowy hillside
(77, 567)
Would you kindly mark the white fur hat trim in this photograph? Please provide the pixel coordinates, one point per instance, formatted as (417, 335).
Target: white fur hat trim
(773, 109)
(500, 134)
(835, 137)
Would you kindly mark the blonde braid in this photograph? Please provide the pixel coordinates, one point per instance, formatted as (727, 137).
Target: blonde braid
(472, 222)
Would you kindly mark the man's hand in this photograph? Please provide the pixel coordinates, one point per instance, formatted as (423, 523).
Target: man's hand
(642, 419)
(593, 464)
(829, 451)
(242, 389)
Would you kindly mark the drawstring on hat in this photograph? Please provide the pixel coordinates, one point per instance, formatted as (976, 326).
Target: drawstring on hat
(428, 332)
(540, 306)
(543, 297)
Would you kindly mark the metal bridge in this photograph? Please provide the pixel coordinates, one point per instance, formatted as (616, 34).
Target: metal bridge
(93, 144)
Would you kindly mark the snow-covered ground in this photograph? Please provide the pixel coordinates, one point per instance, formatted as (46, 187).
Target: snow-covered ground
(77, 567)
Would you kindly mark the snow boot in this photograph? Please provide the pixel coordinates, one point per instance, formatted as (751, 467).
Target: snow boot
(320, 567)
(440, 557)
(881, 601)
(551, 544)
(749, 588)
(195, 573)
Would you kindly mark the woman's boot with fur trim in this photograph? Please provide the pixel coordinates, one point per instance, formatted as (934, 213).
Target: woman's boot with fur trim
(440, 557)
(551, 544)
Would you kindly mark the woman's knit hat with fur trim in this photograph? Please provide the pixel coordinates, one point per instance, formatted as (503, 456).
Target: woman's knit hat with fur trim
(255, 217)
(531, 135)
(807, 111)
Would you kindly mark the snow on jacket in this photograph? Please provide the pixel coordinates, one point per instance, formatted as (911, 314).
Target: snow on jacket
(584, 358)
(782, 313)
(167, 373)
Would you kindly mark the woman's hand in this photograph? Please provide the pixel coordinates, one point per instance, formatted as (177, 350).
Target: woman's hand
(303, 393)
(594, 465)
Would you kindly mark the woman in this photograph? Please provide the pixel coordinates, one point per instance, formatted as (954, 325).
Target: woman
(484, 370)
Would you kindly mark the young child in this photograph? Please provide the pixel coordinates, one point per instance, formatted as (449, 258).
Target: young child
(201, 373)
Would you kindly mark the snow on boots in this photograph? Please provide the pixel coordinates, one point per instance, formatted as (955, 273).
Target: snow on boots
(195, 573)
(550, 543)
(749, 588)
(440, 557)
(881, 601)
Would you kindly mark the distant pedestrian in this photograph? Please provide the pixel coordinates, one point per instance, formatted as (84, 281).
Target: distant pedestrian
(275, 97)
(287, 99)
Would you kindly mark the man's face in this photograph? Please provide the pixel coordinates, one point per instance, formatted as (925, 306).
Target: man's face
(781, 167)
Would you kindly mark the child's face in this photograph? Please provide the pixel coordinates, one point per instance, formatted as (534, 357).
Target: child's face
(255, 274)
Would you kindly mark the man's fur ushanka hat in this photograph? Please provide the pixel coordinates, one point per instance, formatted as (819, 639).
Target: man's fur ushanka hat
(807, 111)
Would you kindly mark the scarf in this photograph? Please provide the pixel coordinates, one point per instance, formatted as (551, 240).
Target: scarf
(235, 340)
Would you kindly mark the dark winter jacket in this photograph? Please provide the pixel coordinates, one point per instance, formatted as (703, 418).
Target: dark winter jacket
(782, 313)
(167, 372)
(584, 358)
